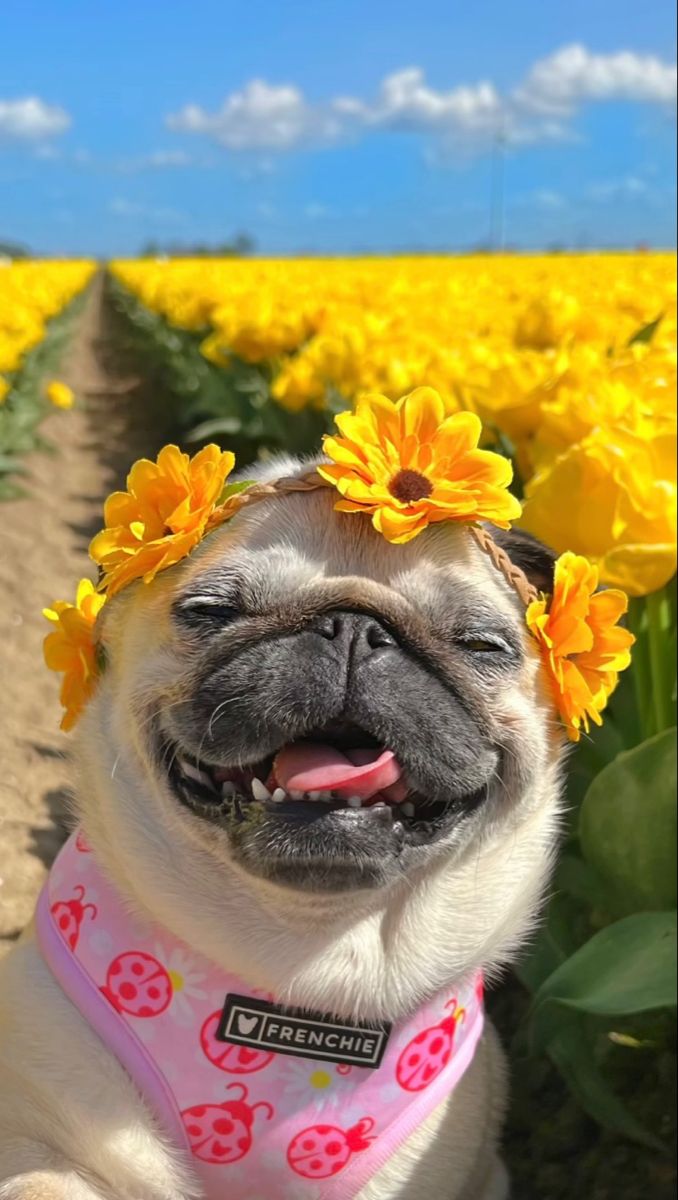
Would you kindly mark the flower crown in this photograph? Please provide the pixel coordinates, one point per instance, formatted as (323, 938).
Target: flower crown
(406, 465)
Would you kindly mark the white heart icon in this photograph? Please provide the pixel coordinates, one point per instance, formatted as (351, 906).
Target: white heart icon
(246, 1024)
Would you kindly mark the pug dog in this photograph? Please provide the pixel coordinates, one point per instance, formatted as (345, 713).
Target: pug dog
(297, 634)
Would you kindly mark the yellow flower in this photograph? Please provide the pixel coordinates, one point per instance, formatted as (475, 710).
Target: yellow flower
(583, 649)
(162, 516)
(508, 389)
(612, 497)
(70, 648)
(4, 390)
(298, 385)
(408, 465)
(59, 394)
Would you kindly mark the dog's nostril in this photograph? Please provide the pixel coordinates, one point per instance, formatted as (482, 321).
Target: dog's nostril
(376, 636)
(355, 629)
(328, 625)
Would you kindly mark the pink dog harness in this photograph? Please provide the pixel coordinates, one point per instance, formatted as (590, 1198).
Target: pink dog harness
(268, 1103)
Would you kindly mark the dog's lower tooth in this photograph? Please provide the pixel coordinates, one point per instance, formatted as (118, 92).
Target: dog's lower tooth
(228, 790)
(354, 802)
(315, 795)
(279, 795)
(259, 790)
(407, 809)
(296, 795)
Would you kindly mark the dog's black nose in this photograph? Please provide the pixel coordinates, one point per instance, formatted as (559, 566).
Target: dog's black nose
(361, 635)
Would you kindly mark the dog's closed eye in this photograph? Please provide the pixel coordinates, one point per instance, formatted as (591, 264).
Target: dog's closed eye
(483, 645)
(194, 612)
(489, 648)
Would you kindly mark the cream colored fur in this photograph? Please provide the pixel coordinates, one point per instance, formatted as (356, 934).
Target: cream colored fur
(72, 1126)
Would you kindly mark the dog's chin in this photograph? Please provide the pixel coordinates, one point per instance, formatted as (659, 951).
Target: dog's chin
(321, 840)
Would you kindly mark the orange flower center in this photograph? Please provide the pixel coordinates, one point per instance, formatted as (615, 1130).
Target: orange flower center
(408, 486)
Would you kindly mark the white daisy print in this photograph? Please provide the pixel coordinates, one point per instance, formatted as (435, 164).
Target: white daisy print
(186, 990)
(323, 1084)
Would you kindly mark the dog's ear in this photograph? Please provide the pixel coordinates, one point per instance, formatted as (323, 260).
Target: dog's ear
(531, 555)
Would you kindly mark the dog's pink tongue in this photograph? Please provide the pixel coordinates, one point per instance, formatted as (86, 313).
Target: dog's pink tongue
(311, 767)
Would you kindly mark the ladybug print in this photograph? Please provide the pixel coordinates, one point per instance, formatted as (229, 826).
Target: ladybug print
(239, 1060)
(322, 1151)
(222, 1133)
(429, 1052)
(70, 914)
(137, 984)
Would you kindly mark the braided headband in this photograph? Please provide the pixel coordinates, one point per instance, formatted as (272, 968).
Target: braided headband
(406, 465)
(312, 482)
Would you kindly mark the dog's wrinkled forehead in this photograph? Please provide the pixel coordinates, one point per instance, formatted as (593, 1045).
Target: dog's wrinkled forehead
(271, 553)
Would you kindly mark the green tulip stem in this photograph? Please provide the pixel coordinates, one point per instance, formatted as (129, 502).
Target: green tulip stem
(640, 667)
(662, 668)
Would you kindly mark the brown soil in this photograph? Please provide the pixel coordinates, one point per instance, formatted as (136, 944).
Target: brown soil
(43, 552)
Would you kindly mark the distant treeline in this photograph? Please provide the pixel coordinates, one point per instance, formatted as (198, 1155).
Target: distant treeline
(238, 247)
(13, 250)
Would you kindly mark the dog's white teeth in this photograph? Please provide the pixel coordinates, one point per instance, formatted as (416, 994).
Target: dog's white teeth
(379, 804)
(228, 790)
(259, 790)
(354, 802)
(407, 809)
(296, 795)
(195, 773)
(279, 795)
(314, 795)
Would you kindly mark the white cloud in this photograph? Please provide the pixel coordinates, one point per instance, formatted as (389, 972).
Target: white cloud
(48, 152)
(121, 207)
(316, 212)
(545, 198)
(260, 117)
(31, 118)
(406, 102)
(573, 76)
(265, 119)
(158, 159)
(155, 160)
(631, 187)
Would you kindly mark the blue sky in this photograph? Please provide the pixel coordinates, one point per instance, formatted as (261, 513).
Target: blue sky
(336, 127)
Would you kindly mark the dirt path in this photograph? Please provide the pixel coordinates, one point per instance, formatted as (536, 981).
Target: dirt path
(43, 552)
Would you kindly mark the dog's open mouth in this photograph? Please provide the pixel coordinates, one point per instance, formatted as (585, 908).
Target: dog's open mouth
(337, 770)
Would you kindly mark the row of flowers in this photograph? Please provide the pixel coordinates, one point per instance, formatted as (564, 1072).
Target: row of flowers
(569, 362)
(33, 297)
(31, 294)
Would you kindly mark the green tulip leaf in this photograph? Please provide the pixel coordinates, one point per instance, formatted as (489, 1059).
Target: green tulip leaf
(628, 967)
(573, 1052)
(646, 332)
(628, 826)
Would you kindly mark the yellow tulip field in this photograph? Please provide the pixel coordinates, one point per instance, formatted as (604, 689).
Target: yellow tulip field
(570, 364)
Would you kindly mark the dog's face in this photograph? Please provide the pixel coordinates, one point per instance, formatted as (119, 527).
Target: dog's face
(324, 710)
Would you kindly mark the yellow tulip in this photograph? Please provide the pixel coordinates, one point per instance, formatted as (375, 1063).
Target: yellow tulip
(611, 497)
(59, 394)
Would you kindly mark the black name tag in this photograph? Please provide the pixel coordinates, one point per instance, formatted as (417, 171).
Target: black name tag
(261, 1025)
